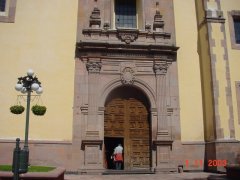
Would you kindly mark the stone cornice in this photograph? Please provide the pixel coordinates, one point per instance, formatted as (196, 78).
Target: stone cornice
(91, 142)
(127, 35)
(214, 16)
(106, 49)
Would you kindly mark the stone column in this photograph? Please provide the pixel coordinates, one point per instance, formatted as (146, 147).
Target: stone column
(163, 142)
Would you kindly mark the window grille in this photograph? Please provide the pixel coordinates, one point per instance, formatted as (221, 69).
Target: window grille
(125, 13)
(2, 5)
(236, 21)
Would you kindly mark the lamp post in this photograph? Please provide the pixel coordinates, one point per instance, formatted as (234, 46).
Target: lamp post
(26, 84)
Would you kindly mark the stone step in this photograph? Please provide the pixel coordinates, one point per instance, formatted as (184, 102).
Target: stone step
(119, 172)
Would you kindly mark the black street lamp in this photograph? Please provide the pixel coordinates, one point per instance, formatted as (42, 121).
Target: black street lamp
(26, 84)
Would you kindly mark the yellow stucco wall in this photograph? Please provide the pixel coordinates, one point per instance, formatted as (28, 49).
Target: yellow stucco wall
(43, 38)
(220, 66)
(206, 79)
(191, 113)
(234, 58)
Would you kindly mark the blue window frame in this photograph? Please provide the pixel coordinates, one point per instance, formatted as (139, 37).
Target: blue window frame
(2, 5)
(236, 21)
(125, 13)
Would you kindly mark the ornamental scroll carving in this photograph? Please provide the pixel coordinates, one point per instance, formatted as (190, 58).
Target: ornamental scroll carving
(127, 75)
(160, 68)
(94, 67)
(127, 37)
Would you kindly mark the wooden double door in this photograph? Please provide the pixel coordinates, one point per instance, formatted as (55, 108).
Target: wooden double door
(127, 119)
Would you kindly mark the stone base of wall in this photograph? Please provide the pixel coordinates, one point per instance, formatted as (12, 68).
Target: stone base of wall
(42, 153)
(186, 156)
(56, 174)
(221, 151)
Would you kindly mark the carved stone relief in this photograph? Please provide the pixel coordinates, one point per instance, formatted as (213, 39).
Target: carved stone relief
(127, 76)
(160, 68)
(128, 73)
(93, 66)
(127, 37)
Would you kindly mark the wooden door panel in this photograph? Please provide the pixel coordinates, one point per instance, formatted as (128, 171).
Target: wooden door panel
(128, 118)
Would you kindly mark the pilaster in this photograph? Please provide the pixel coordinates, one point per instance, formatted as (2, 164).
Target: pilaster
(163, 143)
(160, 70)
(93, 68)
(91, 144)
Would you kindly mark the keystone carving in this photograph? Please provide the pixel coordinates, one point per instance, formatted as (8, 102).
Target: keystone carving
(127, 75)
(127, 37)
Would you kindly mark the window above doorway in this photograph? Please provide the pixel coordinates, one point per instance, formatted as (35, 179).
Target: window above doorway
(7, 10)
(128, 14)
(125, 13)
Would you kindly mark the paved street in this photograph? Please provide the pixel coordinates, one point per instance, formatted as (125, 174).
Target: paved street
(172, 176)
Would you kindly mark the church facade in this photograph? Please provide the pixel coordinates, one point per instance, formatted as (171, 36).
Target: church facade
(158, 77)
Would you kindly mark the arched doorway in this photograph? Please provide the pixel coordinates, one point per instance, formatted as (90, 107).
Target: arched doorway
(127, 121)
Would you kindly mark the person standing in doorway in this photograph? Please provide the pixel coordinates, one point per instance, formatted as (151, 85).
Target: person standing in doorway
(118, 157)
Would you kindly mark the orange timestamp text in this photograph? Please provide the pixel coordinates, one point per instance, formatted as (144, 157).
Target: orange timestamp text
(210, 163)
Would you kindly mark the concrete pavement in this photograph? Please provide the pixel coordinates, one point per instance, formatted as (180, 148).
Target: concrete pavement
(171, 176)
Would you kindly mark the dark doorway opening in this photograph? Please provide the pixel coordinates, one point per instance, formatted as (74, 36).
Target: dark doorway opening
(110, 144)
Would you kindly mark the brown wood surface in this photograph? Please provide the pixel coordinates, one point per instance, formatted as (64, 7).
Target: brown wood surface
(128, 119)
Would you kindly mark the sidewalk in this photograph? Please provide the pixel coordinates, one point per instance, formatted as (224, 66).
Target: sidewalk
(172, 176)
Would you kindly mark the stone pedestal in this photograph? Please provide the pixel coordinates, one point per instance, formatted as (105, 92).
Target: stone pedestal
(163, 148)
(92, 156)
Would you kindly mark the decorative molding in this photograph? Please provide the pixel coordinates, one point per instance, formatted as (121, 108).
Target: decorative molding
(214, 16)
(94, 67)
(127, 35)
(95, 19)
(162, 143)
(158, 23)
(169, 111)
(127, 75)
(148, 27)
(160, 68)
(106, 26)
(91, 142)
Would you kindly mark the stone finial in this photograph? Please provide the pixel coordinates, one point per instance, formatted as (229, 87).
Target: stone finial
(148, 27)
(95, 19)
(106, 25)
(158, 23)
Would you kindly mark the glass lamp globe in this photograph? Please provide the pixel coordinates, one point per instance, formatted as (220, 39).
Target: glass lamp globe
(24, 90)
(30, 72)
(40, 90)
(35, 86)
(18, 87)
